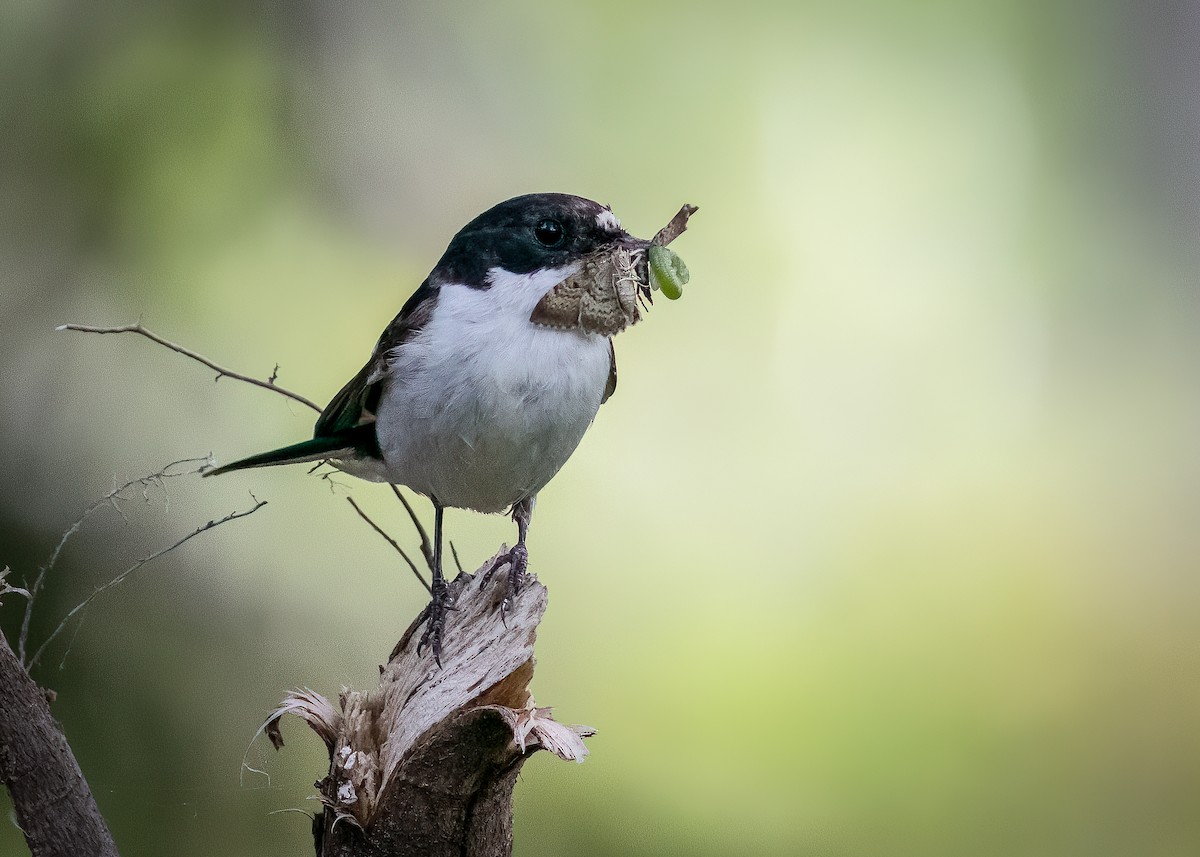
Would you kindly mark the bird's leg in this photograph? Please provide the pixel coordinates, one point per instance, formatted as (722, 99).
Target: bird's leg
(435, 614)
(518, 557)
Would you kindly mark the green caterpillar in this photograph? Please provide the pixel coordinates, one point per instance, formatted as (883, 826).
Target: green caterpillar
(668, 274)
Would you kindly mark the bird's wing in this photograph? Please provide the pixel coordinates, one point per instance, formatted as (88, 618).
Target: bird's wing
(611, 386)
(355, 403)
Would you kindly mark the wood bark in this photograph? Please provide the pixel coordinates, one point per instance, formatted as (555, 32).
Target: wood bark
(54, 806)
(425, 763)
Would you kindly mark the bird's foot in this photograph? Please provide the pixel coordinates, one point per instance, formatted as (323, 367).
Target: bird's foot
(518, 562)
(434, 617)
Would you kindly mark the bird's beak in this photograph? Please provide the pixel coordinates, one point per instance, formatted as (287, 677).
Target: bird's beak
(632, 243)
(637, 248)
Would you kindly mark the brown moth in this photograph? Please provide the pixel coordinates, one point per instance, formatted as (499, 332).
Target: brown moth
(603, 296)
(600, 298)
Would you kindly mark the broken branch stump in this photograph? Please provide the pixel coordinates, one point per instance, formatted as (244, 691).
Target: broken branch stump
(425, 763)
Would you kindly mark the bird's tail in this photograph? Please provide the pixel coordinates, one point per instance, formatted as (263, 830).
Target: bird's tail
(338, 445)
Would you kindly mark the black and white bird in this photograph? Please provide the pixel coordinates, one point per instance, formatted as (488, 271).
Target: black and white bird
(467, 399)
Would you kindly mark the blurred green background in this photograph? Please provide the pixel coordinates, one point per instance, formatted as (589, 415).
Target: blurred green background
(888, 542)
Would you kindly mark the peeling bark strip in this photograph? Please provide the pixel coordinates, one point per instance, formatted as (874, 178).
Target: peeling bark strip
(425, 764)
(53, 803)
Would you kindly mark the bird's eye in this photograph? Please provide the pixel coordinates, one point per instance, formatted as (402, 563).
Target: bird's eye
(549, 233)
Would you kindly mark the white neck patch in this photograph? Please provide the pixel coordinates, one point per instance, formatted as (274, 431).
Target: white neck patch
(521, 292)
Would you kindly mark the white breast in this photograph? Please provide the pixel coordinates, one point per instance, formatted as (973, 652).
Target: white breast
(482, 407)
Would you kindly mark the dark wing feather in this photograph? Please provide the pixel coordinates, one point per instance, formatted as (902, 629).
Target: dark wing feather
(611, 386)
(355, 404)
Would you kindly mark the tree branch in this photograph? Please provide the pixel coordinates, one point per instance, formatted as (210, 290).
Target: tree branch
(221, 371)
(54, 806)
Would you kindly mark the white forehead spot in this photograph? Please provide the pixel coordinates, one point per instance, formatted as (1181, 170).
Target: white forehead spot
(607, 220)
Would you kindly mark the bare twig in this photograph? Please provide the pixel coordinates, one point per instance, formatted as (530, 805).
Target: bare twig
(6, 588)
(390, 541)
(454, 553)
(109, 499)
(120, 578)
(268, 384)
(426, 545)
(676, 227)
(221, 371)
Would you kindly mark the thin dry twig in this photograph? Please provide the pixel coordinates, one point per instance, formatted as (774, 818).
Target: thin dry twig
(110, 499)
(675, 227)
(120, 578)
(6, 588)
(390, 541)
(454, 553)
(268, 384)
(426, 545)
(221, 371)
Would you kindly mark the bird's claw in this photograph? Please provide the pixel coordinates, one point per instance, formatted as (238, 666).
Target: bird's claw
(434, 617)
(517, 560)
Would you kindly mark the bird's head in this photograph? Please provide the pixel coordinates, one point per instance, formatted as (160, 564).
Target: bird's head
(528, 234)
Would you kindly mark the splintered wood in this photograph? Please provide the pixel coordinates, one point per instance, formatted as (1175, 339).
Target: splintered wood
(602, 297)
(425, 763)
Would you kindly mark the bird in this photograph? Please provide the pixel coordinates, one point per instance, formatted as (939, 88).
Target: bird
(481, 388)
